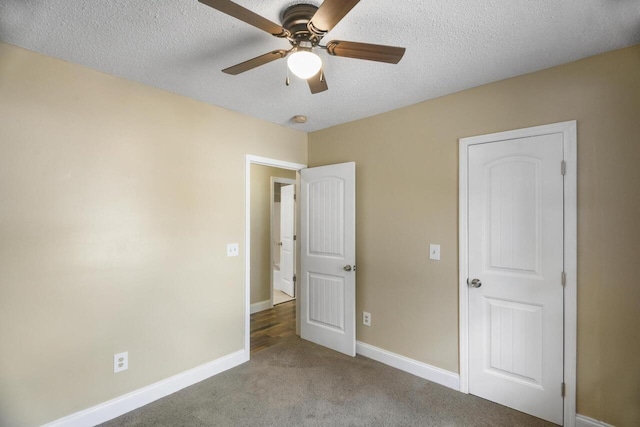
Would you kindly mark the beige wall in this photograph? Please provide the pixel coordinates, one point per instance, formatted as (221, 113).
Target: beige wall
(407, 180)
(116, 204)
(261, 228)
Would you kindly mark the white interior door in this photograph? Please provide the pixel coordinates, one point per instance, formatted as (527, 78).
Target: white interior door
(287, 243)
(328, 278)
(515, 244)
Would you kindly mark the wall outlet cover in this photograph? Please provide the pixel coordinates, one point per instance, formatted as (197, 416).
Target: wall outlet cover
(366, 318)
(120, 362)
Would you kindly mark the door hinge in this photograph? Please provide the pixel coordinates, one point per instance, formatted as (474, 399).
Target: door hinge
(563, 167)
(563, 278)
(563, 389)
(295, 278)
(294, 197)
(295, 237)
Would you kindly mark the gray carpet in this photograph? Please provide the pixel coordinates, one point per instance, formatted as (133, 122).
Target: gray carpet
(297, 383)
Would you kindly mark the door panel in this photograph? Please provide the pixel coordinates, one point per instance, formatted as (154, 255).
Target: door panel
(326, 296)
(516, 251)
(287, 244)
(326, 217)
(328, 245)
(514, 217)
(515, 336)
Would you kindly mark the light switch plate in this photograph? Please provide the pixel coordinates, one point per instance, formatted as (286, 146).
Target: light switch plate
(434, 252)
(232, 249)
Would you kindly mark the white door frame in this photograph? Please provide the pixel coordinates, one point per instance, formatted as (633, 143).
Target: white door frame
(570, 252)
(290, 181)
(265, 161)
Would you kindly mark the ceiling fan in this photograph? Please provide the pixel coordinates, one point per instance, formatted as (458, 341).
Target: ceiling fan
(304, 25)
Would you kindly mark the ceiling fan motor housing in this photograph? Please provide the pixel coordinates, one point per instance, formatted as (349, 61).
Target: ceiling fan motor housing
(296, 20)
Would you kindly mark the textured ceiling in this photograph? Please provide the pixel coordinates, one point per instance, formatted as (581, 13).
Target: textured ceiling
(181, 46)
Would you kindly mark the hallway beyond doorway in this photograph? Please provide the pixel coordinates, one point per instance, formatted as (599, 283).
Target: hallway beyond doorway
(269, 327)
(280, 297)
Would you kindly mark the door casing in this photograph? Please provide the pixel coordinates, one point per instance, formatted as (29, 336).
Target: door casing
(569, 131)
(257, 160)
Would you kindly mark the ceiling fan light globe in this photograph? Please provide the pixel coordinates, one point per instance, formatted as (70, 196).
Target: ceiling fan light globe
(304, 64)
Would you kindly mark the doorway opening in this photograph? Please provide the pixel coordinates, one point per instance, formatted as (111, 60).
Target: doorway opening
(283, 237)
(261, 174)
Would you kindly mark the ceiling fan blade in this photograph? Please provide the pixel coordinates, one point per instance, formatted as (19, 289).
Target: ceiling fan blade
(318, 83)
(329, 14)
(256, 62)
(243, 14)
(371, 52)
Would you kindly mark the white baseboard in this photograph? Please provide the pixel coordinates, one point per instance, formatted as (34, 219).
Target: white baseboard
(259, 306)
(582, 421)
(138, 398)
(126, 403)
(437, 375)
(422, 370)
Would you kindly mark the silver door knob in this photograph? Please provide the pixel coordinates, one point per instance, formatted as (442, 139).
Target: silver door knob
(475, 283)
(347, 268)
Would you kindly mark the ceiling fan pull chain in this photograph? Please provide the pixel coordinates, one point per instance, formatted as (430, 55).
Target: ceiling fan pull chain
(287, 79)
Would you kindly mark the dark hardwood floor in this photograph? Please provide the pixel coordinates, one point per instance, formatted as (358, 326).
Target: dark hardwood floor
(269, 327)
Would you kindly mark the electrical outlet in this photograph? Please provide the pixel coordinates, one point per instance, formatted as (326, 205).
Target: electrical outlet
(434, 252)
(232, 249)
(366, 318)
(120, 362)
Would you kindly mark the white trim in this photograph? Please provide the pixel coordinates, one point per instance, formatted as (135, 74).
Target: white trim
(128, 402)
(463, 251)
(569, 131)
(571, 269)
(249, 160)
(583, 421)
(282, 164)
(422, 370)
(261, 306)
